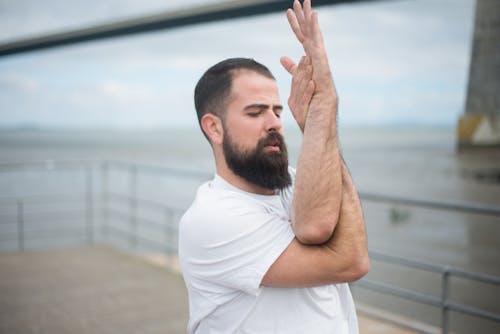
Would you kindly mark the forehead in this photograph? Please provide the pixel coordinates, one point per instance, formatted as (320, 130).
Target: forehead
(249, 86)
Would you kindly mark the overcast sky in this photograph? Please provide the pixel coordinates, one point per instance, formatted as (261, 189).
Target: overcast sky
(394, 62)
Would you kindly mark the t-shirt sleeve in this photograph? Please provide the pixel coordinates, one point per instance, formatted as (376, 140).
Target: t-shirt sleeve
(236, 244)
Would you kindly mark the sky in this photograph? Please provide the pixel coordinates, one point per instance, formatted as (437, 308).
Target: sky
(399, 62)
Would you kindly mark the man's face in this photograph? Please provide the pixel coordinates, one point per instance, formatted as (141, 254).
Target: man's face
(253, 143)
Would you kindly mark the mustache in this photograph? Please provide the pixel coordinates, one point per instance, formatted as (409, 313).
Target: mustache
(272, 139)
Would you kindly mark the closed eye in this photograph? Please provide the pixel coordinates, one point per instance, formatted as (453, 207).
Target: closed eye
(255, 110)
(254, 114)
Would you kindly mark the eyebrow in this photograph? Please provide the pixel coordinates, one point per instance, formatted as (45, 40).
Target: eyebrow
(263, 106)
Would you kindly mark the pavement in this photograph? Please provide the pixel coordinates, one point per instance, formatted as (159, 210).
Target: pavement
(99, 289)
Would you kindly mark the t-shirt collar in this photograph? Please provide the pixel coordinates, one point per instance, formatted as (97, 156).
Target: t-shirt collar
(220, 183)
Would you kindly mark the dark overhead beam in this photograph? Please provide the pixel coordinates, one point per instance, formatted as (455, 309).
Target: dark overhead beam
(166, 20)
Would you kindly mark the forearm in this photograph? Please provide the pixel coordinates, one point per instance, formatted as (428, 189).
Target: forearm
(318, 184)
(326, 211)
(349, 240)
(344, 258)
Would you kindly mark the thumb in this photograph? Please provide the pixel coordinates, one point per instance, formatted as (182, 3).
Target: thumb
(288, 64)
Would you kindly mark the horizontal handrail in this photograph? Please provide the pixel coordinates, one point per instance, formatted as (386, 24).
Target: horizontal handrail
(158, 169)
(123, 215)
(73, 196)
(399, 292)
(460, 206)
(455, 205)
(48, 165)
(34, 234)
(440, 269)
(51, 213)
(409, 263)
(147, 202)
(126, 233)
(474, 311)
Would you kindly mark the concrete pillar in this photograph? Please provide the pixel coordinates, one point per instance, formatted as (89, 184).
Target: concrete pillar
(480, 125)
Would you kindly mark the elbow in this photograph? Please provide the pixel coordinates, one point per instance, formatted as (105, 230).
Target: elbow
(315, 234)
(359, 267)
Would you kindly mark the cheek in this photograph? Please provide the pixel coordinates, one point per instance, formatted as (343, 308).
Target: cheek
(236, 136)
(246, 132)
(242, 140)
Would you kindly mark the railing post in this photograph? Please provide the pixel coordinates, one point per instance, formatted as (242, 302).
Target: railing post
(20, 225)
(133, 206)
(445, 285)
(89, 208)
(104, 199)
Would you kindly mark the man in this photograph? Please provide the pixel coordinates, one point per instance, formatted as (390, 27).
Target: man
(265, 248)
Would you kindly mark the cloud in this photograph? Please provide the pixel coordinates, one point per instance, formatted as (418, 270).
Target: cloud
(131, 105)
(393, 61)
(26, 18)
(16, 83)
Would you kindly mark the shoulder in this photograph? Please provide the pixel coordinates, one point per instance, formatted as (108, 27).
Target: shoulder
(211, 201)
(230, 238)
(220, 214)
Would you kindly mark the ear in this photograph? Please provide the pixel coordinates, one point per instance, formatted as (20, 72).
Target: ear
(212, 126)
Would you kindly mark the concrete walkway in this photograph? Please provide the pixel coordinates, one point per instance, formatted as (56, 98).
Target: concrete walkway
(98, 290)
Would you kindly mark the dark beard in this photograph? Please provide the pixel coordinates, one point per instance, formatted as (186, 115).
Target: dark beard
(266, 169)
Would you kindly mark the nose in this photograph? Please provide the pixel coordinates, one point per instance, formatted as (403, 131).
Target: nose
(273, 121)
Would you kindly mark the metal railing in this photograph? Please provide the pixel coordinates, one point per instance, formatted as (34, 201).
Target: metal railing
(134, 202)
(443, 302)
(128, 207)
(446, 272)
(76, 207)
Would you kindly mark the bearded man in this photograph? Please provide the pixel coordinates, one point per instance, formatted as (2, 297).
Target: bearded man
(265, 248)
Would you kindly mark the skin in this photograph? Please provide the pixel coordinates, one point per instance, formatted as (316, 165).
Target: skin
(254, 110)
(318, 187)
(327, 219)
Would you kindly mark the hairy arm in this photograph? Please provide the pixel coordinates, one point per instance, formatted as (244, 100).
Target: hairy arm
(327, 217)
(318, 186)
(343, 258)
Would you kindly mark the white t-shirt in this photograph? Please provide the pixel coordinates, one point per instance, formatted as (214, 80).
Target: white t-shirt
(228, 239)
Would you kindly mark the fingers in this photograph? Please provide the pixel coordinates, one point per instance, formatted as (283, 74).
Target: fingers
(304, 65)
(308, 92)
(294, 24)
(302, 89)
(299, 14)
(302, 75)
(306, 13)
(304, 22)
(291, 67)
(288, 64)
(305, 85)
(299, 18)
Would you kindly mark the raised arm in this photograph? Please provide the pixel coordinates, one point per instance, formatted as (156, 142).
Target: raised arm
(322, 176)
(343, 258)
(318, 186)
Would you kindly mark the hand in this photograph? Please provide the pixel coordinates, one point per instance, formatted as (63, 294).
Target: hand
(302, 88)
(304, 23)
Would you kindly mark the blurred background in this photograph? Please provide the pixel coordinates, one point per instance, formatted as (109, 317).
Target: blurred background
(395, 63)
(99, 141)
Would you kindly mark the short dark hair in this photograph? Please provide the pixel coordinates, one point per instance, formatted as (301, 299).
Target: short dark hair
(213, 88)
